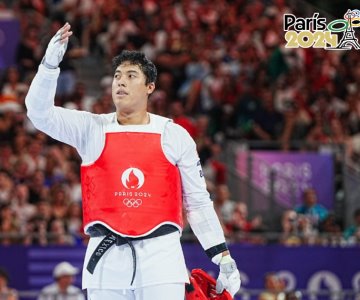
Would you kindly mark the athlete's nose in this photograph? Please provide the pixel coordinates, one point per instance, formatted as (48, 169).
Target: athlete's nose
(121, 82)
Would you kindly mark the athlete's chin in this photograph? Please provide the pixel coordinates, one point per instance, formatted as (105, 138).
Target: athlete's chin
(124, 109)
(121, 103)
(120, 98)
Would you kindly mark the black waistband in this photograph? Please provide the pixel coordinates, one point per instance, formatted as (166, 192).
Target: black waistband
(111, 238)
(99, 230)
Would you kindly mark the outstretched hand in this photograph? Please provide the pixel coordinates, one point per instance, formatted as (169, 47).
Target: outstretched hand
(57, 46)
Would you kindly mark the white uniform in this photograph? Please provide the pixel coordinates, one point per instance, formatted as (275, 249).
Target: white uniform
(159, 260)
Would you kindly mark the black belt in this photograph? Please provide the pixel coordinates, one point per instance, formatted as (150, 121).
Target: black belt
(113, 238)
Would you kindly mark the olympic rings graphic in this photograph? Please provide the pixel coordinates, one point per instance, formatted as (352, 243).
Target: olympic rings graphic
(132, 202)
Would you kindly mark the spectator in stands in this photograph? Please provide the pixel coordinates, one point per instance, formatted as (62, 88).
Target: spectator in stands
(224, 207)
(195, 70)
(74, 221)
(291, 231)
(55, 167)
(352, 233)
(301, 116)
(23, 210)
(158, 104)
(20, 142)
(6, 293)
(9, 225)
(59, 201)
(73, 186)
(37, 188)
(330, 225)
(6, 186)
(298, 229)
(214, 169)
(211, 93)
(57, 232)
(241, 225)
(29, 50)
(179, 117)
(293, 295)
(7, 157)
(14, 89)
(7, 121)
(202, 138)
(80, 98)
(240, 219)
(353, 114)
(315, 212)
(223, 203)
(63, 287)
(166, 86)
(268, 123)
(245, 109)
(34, 157)
(36, 232)
(318, 132)
(44, 210)
(274, 287)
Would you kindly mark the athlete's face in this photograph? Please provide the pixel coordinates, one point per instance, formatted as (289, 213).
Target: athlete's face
(129, 90)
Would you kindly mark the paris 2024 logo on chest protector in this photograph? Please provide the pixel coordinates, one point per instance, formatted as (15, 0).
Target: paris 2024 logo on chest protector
(132, 178)
(132, 195)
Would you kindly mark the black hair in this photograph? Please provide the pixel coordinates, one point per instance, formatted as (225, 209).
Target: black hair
(137, 58)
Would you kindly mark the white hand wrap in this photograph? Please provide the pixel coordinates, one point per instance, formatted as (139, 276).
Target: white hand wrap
(229, 276)
(55, 52)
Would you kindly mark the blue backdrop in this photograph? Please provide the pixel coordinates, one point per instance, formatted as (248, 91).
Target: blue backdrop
(311, 268)
(9, 39)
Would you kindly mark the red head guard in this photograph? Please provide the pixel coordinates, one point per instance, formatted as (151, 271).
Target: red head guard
(203, 287)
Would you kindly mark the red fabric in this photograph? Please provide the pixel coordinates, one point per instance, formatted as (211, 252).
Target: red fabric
(203, 287)
(187, 124)
(220, 171)
(132, 187)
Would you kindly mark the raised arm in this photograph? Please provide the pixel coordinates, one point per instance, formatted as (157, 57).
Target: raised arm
(68, 126)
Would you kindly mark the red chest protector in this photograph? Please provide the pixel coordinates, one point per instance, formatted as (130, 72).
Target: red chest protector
(132, 188)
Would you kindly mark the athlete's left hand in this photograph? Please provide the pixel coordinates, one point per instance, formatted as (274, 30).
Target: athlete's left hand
(229, 276)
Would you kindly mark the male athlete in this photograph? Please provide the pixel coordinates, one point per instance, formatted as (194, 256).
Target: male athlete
(138, 170)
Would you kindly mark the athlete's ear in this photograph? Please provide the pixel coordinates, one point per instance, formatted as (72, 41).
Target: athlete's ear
(150, 87)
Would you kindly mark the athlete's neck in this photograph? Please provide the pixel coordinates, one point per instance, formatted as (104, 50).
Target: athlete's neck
(135, 118)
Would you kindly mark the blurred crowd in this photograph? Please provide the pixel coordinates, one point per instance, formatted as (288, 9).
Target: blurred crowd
(223, 73)
(308, 223)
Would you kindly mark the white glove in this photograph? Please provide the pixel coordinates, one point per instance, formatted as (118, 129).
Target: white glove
(229, 276)
(56, 48)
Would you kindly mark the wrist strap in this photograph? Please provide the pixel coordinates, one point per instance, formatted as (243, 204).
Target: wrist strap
(211, 252)
(47, 65)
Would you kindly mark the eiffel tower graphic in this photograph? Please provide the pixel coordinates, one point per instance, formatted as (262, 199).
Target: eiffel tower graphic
(349, 40)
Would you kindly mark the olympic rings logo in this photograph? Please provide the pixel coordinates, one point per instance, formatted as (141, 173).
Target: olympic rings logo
(132, 202)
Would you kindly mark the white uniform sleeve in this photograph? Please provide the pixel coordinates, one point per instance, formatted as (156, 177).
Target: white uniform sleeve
(181, 150)
(65, 125)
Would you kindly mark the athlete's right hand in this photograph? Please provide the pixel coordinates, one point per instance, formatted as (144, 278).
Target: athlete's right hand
(57, 46)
